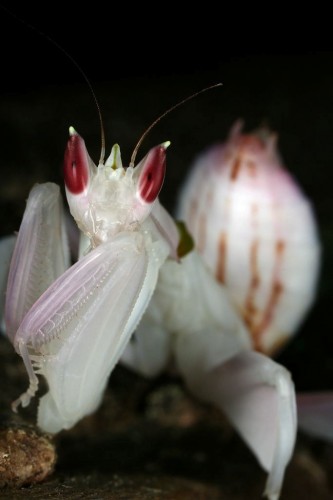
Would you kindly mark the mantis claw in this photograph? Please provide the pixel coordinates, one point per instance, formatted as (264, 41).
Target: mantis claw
(25, 398)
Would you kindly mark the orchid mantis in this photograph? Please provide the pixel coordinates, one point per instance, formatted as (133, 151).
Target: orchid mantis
(47, 306)
(73, 324)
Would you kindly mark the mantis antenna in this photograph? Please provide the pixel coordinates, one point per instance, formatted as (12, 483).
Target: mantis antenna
(76, 64)
(79, 68)
(183, 101)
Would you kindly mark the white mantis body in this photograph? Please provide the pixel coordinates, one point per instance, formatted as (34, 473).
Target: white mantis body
(73, 324)
(111, 285)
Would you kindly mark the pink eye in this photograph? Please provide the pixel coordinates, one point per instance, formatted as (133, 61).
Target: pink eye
(76, 164)
(152, 174)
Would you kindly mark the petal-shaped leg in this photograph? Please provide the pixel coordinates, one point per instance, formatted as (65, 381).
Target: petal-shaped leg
(6, 250)
(258, 397)
(186, 298)
(40, 254)
(315, 414)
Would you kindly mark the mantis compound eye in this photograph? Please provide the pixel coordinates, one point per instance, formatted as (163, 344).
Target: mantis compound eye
(76, 164)
(151, 172)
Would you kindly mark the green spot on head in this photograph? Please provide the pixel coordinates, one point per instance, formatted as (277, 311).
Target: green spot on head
(114, 160)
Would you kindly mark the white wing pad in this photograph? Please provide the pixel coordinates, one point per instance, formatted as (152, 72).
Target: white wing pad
(40, 255)
(78, 329)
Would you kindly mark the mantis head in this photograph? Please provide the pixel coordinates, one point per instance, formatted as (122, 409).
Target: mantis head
(109, 198)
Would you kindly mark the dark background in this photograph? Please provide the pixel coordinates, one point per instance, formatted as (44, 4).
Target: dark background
(138, 69)
(141, 62)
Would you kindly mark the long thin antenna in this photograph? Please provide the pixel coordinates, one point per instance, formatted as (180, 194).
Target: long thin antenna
(146, 132)
(76, 64)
